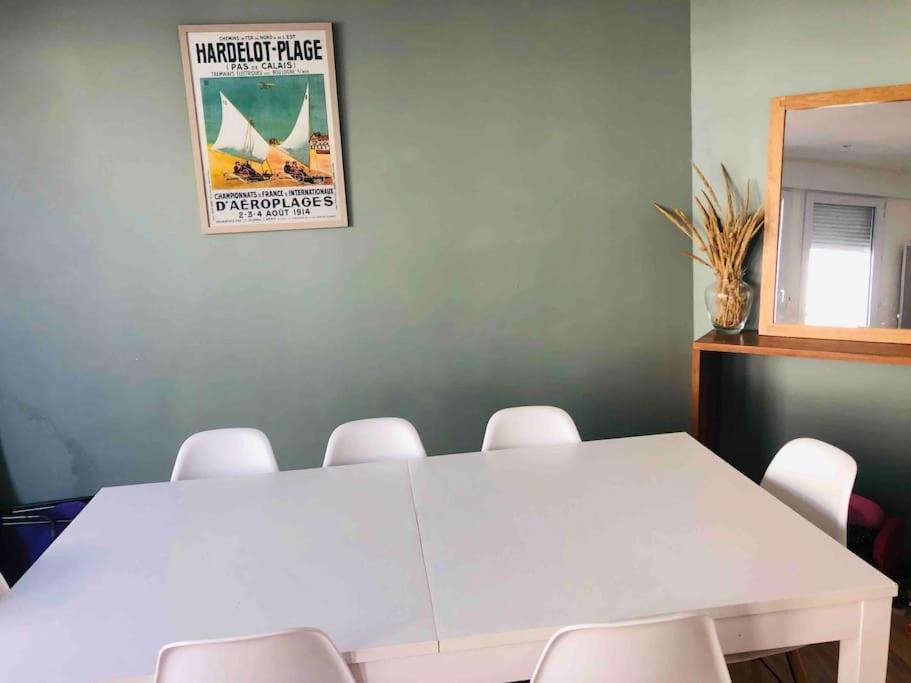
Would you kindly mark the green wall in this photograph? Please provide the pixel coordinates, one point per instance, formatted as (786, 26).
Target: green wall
(745, 52)
(501, 159)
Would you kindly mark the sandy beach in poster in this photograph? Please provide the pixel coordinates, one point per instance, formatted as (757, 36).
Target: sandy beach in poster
(221, 170)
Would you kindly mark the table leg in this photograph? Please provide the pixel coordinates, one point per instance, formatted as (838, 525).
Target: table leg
(863, 659)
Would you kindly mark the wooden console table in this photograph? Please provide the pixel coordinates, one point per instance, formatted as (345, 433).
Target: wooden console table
(707, 350)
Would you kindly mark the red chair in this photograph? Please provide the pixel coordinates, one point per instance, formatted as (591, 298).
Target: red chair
(875, 535)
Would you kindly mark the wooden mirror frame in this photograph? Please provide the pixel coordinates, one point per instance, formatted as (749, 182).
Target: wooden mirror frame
(779, 109)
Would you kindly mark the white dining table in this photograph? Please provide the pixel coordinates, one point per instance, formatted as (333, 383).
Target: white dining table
(453, 568)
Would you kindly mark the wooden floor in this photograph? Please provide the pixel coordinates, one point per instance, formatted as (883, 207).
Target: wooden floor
(821, 661)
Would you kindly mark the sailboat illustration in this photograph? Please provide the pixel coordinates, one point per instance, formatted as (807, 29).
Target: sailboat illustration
(297, 144)
(239, 138)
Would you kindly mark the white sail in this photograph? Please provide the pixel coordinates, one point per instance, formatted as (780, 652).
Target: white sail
(237, 136)
(297, 144)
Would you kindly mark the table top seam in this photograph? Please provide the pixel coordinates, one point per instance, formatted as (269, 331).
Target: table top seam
(417, 521)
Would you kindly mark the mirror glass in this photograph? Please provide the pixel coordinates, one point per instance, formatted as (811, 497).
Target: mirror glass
(844, 245)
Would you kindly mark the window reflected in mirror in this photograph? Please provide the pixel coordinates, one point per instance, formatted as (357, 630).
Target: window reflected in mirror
(845, 220)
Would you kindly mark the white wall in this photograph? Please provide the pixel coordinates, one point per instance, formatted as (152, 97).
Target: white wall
(790, 256)
(888, 268)
(832, 177)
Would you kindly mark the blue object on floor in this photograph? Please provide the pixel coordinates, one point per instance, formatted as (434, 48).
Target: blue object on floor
(26, 531)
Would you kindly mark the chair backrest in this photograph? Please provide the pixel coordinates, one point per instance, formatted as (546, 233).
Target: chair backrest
(680, 649)
(815, 479)
(529, 426)
(224, 453)
(379, 438)
(302, 655)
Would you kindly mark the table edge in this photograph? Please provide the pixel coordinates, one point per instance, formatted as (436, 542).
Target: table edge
(542, 634)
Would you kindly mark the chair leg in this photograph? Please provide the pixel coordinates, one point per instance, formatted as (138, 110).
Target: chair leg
(795, 664)
(769, 668)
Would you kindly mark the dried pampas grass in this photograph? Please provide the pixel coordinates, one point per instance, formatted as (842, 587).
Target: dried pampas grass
(724, 240)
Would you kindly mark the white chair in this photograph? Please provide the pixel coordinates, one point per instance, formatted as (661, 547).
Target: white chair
(224, 453)
(529, 426)
(683, 650)
(4, 586)
(379, 438)
(815, 480)
(301, 655)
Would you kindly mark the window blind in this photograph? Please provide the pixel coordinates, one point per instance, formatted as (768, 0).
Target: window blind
(842, 226)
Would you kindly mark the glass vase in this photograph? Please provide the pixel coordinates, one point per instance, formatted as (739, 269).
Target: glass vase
(728, 302)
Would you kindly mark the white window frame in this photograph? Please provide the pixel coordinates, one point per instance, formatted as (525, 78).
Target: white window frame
(877, 243)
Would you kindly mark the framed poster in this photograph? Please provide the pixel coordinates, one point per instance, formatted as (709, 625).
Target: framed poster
(264, 125)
